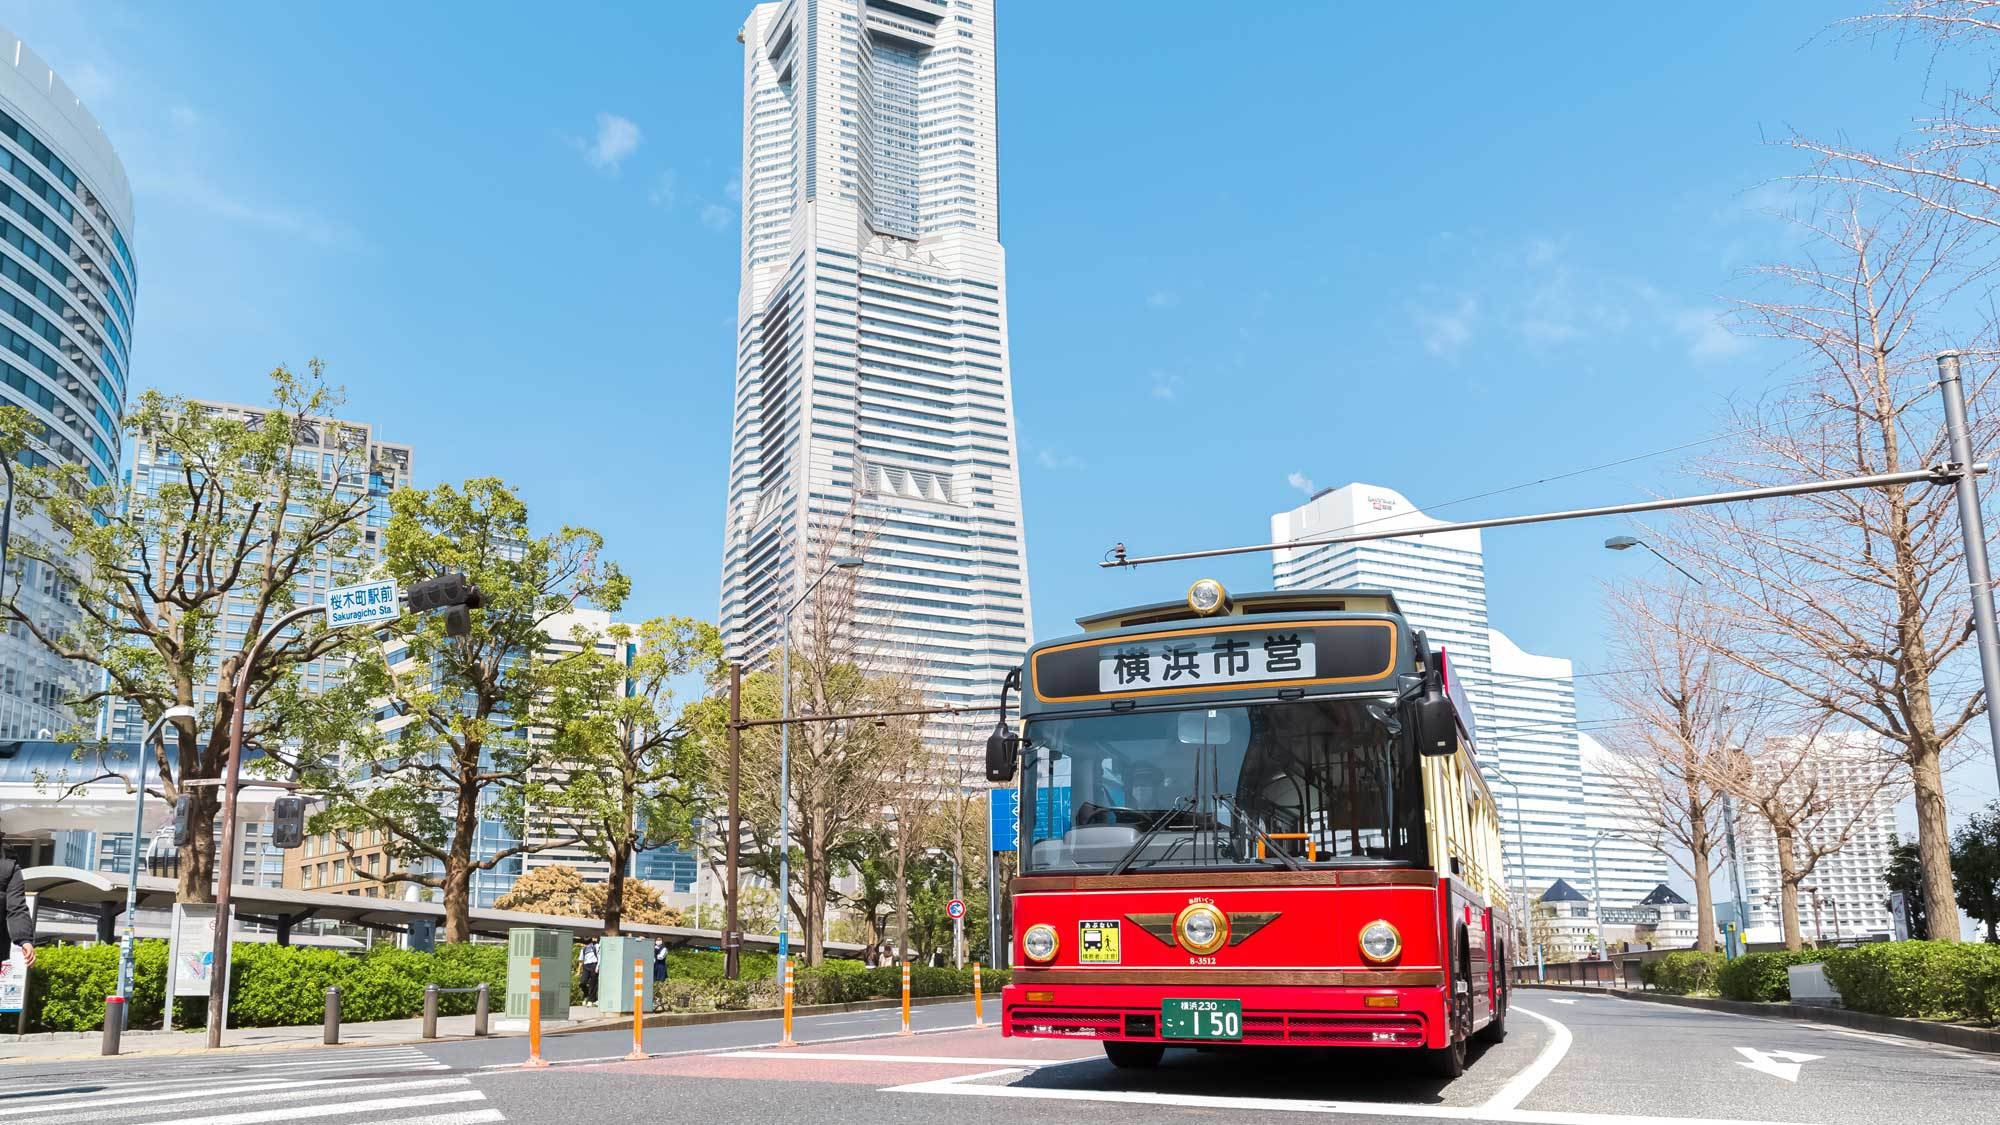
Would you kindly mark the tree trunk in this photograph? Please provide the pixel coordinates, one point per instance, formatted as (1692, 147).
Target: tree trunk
(1934, 843)
(815, 922)
(614, 888)
(458, 869)
(1788, 891)
(1704, 903)
(197, 857)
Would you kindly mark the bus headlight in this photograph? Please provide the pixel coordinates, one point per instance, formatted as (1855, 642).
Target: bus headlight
(1040, 943)
(1202, 929)
(1380, 942)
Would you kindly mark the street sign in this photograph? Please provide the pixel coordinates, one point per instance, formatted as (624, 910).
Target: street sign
(955, 908)
(1631, 916)
(1003, 820)
(362, 604)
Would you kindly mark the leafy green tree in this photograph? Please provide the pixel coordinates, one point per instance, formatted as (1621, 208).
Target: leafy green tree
(458, 747)
(630, 772)
(1906, 874)
(257, 503)
(1975, 866)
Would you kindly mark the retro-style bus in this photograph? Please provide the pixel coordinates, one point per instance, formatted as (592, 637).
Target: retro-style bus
(1252, 820)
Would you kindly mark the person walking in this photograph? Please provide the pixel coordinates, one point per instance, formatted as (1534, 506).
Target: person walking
(590, 970)
(17, 926)
(659, 960)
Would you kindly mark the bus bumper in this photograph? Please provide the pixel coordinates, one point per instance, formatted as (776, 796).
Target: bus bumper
(1272, 1015)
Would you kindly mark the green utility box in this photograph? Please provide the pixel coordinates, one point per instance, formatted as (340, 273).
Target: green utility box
(553, 947)
(614, 973)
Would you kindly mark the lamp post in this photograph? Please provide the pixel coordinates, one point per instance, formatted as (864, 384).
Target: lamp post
(1520, 856)
(1626, 542)
(840, 562)
(127, 948)
(1597, 895)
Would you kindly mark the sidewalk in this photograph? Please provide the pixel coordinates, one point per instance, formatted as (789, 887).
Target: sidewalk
(43, 1046)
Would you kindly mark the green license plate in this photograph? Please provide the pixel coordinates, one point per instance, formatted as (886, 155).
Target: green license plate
(1201, 1019)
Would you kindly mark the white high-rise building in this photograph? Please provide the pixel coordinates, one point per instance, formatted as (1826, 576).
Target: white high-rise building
(1630, 869)
(1844, 772)
(1524, 704)
(873, 401)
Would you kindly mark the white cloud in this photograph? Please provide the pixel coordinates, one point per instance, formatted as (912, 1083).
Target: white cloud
(1163, 299)
(617, 138)
(1166, 386)
(717, 217)
(733, 189)
(183, 117)
(662, 192)
(202, 194)
(1707, 334)
(1445, 330)
(92, 83)
(1050, 459)
(1301, 482)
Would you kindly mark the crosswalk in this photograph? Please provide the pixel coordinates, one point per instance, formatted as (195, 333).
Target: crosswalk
(349, 1087)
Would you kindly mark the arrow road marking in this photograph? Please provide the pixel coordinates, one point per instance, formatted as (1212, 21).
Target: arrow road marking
(1552, 1000)
(1766, 1062)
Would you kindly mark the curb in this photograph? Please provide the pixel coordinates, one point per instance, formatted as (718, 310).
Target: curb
(611, 1023)
(1928, 1031)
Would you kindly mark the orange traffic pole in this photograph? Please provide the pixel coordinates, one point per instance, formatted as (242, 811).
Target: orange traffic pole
(787, 969)
(978, 999)
(906, 998)
(535, 1058)
(638, 1011)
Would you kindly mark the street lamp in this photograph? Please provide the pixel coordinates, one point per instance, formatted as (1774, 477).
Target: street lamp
(839, 562)
(1520, 858)
(1625, 542)
(127, 949)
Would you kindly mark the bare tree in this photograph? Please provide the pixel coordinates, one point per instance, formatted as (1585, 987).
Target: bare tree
(1811, 790)
(1682, 703)
(1852, 602)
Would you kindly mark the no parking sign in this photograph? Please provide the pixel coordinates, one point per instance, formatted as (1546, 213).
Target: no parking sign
(955, 908)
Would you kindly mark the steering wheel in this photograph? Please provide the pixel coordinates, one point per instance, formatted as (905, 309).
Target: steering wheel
(1088, 813)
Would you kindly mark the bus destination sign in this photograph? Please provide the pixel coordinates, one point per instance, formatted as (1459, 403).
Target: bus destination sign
(1281, 653)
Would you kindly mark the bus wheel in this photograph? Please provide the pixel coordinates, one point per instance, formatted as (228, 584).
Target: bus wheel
(1448, 1061)
(1134, 1056)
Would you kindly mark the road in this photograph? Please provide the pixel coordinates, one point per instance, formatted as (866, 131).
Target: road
(1571, 1059)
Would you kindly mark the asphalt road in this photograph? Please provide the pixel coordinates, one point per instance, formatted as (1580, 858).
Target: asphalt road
(1589, 1060)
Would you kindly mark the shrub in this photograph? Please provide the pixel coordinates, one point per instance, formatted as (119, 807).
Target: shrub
(1688, 973)
(1919, 979)
(1764, 976)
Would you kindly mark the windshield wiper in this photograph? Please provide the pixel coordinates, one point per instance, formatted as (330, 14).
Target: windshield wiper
(1181, 805)
(1257, 826)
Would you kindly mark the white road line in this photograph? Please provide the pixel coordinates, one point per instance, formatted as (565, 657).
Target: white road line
(343, 1068)
(100, 1098)
(941, 1060)
(472, 1117)
(962, 1087)
(370, 1106)
(125, 1107)
(1521, 1085)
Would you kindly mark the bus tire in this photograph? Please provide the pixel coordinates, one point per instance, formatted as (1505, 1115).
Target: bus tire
(1133, 1056)
(1448, 1061)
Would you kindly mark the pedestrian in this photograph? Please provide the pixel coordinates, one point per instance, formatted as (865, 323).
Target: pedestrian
(659, 960)
(17, 926)
(590, 970)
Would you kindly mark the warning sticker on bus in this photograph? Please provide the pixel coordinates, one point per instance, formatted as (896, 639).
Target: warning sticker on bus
(1097, 944)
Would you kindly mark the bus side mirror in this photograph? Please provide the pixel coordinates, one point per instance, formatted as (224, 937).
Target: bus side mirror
(1437, 726)
(1003, 750)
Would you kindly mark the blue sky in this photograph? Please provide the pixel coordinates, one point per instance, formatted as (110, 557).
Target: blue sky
(1251, 248)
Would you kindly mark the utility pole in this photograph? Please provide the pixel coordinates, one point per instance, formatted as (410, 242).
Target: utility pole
(732, 938)
(1735, 872)
(1973, 527)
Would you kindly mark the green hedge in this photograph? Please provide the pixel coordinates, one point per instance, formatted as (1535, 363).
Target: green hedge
(1764, 976)
(270, 985)
(1685, 974)
(1919, 979)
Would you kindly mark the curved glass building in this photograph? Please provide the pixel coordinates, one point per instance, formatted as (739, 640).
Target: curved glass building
(67, 284)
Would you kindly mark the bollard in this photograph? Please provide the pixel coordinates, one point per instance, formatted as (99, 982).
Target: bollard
(787, 970)
(978, 999)
(906, 998)
(114, 1023)
(480, 1008)
(638, 1011)
(331, 1026)
(430, 1011)
(535, 1058)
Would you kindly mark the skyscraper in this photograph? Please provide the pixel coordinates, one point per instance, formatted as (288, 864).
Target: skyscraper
(1853, 819)
(67, 284)
(1524, 704)
(873, 403)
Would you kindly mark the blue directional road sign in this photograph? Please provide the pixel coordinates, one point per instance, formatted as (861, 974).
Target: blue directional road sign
(1003, 819)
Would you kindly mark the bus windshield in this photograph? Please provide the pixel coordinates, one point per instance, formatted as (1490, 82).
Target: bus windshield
(1322, 781)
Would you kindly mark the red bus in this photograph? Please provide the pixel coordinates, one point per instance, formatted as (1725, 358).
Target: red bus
(1252, 820)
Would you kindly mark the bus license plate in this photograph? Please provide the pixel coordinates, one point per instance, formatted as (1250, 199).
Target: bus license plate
(1201, 1019)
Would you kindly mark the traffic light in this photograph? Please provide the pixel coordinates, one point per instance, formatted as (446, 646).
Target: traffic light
(288, 822)
(183, 830)
(451, 593)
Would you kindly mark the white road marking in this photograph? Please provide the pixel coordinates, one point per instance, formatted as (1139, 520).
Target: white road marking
(99, 1098)
(1766, 1062)
(368, 1106)
(1553, 1000)
(472, 1117)
(1521, 1085)
(942, 1060)
(263, 1095)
